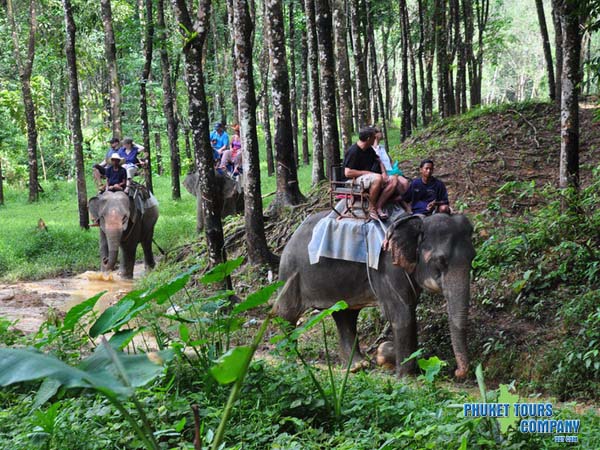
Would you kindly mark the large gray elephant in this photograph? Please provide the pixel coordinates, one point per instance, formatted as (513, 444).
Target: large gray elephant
(122, 225)
(230, 197)
(433, 253)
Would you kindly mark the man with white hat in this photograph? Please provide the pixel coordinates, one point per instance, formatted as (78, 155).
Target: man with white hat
(116, 175)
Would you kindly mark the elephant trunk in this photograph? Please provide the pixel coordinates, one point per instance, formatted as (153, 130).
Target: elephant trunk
(457, 294)
(114, 232)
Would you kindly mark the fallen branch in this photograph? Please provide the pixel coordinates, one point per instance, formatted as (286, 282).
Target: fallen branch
(537, 143)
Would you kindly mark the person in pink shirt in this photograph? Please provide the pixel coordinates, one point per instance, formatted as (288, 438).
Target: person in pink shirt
(234, 154)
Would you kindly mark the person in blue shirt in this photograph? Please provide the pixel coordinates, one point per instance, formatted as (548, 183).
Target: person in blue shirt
(116, 176)
(133, 156)
(219, 140)
(427, 194)
(99, 170)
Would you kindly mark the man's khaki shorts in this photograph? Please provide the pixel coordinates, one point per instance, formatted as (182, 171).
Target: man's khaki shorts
(367, 179)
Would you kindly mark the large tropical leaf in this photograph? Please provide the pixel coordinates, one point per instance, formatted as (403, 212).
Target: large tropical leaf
(78, 311)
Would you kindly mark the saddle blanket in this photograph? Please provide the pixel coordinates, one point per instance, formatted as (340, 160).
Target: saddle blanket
(350, 239)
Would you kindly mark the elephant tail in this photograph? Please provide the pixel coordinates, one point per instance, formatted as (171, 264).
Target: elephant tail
(289, 304)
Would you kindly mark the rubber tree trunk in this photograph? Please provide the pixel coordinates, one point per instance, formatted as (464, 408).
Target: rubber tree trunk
(293, 90)
(304, 99)
(318, 170)
(110, 51)
(24, 68)
(344, 84)
(75, 115)
(331, 139)
(266, 115)
(558, 41)
(199, 122)
(288, 190)
(405, 124)
(360, 64)
(539, 4)
(569, 99)
(256, 242)
(148, 38)
(169, 103)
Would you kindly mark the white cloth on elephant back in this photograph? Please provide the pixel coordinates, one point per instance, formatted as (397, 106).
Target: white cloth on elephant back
(348, 239)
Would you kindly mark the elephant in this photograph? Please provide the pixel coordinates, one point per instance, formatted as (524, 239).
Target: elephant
(433, 253)
(230, 197)
(122, 225)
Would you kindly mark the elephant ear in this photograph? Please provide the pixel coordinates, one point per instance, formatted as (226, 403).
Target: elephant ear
(403, 242)
(94, 208)
(191, 183)
(229, 187)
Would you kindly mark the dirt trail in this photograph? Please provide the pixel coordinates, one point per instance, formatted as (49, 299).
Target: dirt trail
(28, 303)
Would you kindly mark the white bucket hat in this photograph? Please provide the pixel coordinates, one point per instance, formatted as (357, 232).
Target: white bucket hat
(117, 156)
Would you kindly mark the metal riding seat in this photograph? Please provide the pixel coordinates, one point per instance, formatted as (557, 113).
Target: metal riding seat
(355, 196)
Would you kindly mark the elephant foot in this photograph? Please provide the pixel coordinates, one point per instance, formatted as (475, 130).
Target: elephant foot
(126, 276)
(359, 365)
(463, 367)
(386, 356)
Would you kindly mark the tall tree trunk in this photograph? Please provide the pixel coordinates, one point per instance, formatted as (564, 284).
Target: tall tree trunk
(256, 242)
(344, 85)
(482, 13)
(386, 75)
(360, 64)
(266, 115)
(158, 153)
(111, 59)
(293, 95)
(304, 100)
(148, 37)
(194, 39)
(413, 77)
(558, 41)
(234, 97)
(318, 170)
(539, 4)
(75, 116)
(331, 139)
(288, 190)
(468, 43)
(169, 104)
(425, 64)
(405, 123)
(1, 185)
(569, 106)
(25, 67)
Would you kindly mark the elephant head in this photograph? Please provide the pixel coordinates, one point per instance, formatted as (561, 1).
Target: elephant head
(438, 252)
(113, 210)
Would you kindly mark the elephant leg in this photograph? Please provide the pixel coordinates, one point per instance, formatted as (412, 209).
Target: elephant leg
(404, 326)
(148, 255)
(128, 251)
(346, 325)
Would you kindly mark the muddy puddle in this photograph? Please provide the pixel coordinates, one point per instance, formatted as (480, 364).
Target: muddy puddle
(29, 303)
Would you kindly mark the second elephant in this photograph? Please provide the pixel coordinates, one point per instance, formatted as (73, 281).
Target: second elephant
(230, 196)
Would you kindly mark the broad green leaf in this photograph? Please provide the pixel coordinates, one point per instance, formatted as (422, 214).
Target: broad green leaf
(315, 320)
(167, 290)
(122, 338)
(47, 390)
(481, 382)
(414, 355)
(505, 396)
(109, 318)
(431, 366)
(184, 332)
(78, 311)
(257, 298)
(219, 272)
(230, 365)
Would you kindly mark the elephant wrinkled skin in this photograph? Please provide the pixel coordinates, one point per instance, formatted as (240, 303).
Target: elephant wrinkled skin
(122, 225)
(433, 253)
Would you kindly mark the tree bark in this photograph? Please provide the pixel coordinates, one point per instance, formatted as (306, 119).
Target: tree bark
(318, 171)
(360, 65)
(288, 190)
(256, 242)
(111, 60)
(169, 104)
(266, 115)
(413, 77)
(304, 99)
(344, 85)
(24, 68)
(482, 12)
(539, 4)
(425, 62)
(148, 38)
(194, 39)
(569, 105)
(158, 153)
(558, 41)
(405, 123)
(75, 116)
(331, 139)
(293, 95)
